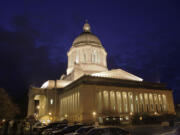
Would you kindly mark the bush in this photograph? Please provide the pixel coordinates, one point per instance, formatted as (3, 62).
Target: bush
(8, 109)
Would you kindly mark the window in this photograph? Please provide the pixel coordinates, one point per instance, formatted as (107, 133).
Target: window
(125, 102)
(112, 100)
(155, 102)
(130, 96)
(99, 99)
(94, 56)
(84, 58)
(137, 103)
(78, 97)
(98, 57)
(119, 102)
(141, 102)
(160, 103)
(77, 57)
(106, 100)
(146, 102)
(151, 102)
(164, 102)
(73, 103)
(51, 101)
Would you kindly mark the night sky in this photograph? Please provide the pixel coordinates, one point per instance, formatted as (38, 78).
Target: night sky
(141, 37)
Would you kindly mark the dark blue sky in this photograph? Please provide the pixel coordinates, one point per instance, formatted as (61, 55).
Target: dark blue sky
(141, 37)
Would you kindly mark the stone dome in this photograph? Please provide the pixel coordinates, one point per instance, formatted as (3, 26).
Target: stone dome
(86, 37)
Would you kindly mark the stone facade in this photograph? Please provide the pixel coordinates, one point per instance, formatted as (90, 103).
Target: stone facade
(111, 97)
(90, 92)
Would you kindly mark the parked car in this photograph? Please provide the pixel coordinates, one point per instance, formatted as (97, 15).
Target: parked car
(49, 130)
(38, 126)
(81, 131)
(68, 129)
(107, 131)
(53, 126)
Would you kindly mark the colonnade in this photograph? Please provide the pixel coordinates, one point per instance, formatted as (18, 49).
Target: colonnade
(131, 102)
(69, 104)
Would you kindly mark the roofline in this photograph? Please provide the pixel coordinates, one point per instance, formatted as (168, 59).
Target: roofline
(91, 80)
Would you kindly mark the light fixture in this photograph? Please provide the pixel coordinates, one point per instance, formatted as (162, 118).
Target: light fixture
(3, 120)
(51, 101)
(94, 113)
(155, 113)
(66, 115)
(38, 107)
(50, 113)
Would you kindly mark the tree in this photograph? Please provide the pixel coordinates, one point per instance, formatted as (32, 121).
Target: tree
(8, 109)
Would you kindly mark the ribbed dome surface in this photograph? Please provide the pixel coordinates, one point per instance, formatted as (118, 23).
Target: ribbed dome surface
(87, 37)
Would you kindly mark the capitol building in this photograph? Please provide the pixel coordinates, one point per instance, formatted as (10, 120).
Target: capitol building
(89, 92)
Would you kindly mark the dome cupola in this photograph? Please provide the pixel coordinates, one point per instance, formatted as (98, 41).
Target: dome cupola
(87, 37)
(87, 27)
(87, 52)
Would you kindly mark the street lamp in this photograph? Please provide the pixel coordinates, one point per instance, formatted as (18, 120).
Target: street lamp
(94, 117)
(140, 118)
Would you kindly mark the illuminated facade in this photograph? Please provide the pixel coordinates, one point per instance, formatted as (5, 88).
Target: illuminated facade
(90, 92)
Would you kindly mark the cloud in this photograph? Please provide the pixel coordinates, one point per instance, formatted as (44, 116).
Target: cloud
(23, 62)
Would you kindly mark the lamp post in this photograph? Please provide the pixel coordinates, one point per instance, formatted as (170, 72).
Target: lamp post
(94, 117)
(140, 118)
